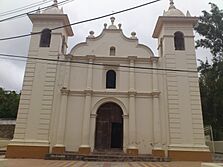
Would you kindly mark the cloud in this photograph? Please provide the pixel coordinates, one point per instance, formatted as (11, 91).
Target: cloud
(142, 21)
(11, 77)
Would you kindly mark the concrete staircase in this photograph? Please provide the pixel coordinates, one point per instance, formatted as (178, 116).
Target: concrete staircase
(105, 156)
(2, 151)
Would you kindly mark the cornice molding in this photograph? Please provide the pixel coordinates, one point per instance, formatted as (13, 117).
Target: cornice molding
(90, 57)
(54, 18)
(118, 59)
(114, 93)
(155, 59)
(68, 57)
(172, 20)
(64, 91)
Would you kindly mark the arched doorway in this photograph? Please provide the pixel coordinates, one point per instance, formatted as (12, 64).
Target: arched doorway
(109, 127)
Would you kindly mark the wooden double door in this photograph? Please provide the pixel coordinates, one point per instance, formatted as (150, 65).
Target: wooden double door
(109, 127)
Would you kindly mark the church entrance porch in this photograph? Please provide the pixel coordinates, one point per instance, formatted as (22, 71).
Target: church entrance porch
(109, 128)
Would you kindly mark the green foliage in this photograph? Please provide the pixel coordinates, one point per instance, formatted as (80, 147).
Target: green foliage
(9, 102)
(210, 26)
(211, 87)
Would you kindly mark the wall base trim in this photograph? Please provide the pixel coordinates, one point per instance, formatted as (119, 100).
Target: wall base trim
(25, 151)
(84, 150)
(158, 152)
(176, 155)
(132, 151)
(58, 149)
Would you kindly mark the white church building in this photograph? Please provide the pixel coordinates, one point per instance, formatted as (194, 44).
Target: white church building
(110, 93)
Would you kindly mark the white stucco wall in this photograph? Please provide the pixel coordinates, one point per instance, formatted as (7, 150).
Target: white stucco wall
(161, 109)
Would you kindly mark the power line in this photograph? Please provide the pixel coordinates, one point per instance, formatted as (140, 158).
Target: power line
(114, 13)
(99, 64)
(84, 21)
(24, 8)
(23, 14)
(95, 68)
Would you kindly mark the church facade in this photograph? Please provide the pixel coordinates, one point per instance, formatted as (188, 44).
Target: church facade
(110, 93)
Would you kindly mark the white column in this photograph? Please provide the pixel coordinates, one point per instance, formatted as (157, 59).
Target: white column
(63, 105)
(92, 130)
(62, 119)
(132, 121)
(132, 73)
(156, 110)
(156, 121)
(90, 72)
(155, 74)
(87, 106)
(86, 121)
(125, 132)
(132, 107)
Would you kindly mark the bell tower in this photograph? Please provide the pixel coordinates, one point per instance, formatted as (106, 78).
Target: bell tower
(174, 31)
(32, 132)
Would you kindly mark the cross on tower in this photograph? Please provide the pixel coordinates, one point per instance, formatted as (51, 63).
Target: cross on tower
(171, 5)
(55, 3)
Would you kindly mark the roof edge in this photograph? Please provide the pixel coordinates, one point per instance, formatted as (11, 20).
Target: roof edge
(63, 17)
(176, 19)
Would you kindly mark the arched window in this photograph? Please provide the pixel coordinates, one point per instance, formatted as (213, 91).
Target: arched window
(112, 51)
(179, 41)
(45, 38)
(111, 79)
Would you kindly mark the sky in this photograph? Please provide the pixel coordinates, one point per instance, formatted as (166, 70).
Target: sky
(141, 20)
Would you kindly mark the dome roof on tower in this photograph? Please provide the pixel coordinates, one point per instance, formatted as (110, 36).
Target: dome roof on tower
(53, 9)
(173, 11)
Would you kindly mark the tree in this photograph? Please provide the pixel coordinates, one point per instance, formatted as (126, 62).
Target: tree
(211, 88)
(9, 102)
(210, 27)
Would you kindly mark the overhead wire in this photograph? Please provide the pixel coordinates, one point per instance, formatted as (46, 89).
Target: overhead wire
(32, 5)
(83, 21)
(96, 68)
(100, 64)
(24, 14)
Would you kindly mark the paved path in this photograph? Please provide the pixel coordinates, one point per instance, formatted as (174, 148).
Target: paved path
(53, 163)
(218, 157)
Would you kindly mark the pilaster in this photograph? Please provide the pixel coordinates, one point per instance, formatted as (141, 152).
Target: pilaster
(132, 147)
(156, 110)
(59, 147)
(85, 140)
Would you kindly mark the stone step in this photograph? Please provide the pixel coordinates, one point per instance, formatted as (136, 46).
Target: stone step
(105, 157)
(2, 152)
(108, 152)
